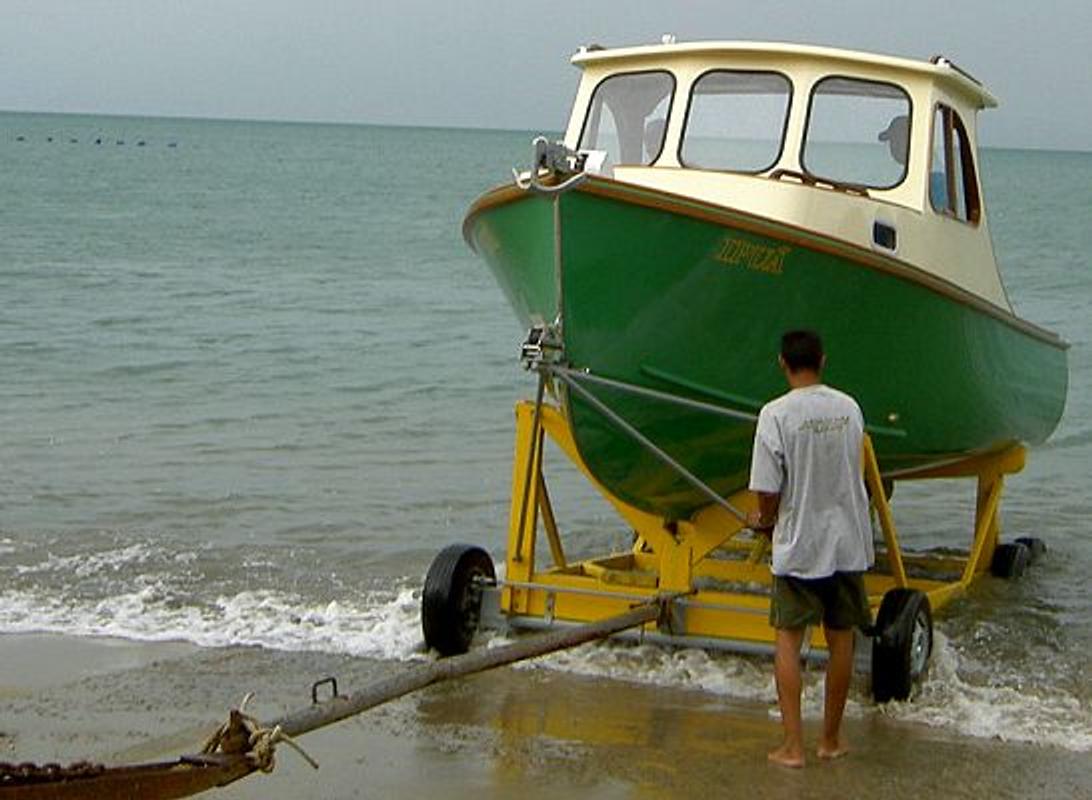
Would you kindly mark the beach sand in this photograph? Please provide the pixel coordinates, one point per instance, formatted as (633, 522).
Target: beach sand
(527, 733)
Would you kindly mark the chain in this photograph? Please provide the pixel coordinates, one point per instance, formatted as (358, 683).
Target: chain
(27, 772)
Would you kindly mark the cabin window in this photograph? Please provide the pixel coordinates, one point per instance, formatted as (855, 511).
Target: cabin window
(858, 133)
(628, 117)
(736, 121)
(953, 186)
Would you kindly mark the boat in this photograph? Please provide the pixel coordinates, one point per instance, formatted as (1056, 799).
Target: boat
(709, 196)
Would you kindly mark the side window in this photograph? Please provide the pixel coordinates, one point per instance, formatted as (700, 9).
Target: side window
(938, 164)
(736, 121)
(627, 116)
(858, 132)
(953, 185)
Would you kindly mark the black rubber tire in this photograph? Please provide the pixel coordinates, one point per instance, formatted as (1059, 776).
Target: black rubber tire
(1010, 560)
(902, 644)
(452, 598)
(1036, 547)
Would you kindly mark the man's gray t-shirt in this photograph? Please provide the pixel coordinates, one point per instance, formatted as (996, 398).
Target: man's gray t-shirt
(808, 450)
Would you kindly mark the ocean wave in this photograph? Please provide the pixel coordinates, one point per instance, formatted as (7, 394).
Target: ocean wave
(87, 564)
(738, 677)
(385, 625)
(1008, 713)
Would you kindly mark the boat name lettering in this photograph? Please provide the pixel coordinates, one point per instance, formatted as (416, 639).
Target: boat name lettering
(753, 255)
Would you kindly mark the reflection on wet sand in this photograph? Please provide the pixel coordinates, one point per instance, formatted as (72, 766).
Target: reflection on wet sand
(616, 739)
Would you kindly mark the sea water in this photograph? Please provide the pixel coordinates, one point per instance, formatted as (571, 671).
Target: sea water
(252, 380)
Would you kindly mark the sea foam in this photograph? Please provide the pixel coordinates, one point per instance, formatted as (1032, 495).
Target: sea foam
(385, 625)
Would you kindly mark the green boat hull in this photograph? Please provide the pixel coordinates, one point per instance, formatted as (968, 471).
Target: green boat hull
(690, 300)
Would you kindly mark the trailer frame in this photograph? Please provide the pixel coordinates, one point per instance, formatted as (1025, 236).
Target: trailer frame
(712, 563)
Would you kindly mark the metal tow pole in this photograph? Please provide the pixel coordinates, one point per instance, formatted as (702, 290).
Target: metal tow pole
(338, 708)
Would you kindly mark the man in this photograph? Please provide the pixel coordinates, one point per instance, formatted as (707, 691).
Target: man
(897, 136)
(806, 470)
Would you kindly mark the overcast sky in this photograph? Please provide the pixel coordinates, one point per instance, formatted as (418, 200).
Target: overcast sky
(499, 63)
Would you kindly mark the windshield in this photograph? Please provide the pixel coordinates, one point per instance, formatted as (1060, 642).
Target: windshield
(736, 121)
(628, 117)
(858, 132)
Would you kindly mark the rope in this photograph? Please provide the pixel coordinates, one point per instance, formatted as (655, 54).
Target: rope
(264, 740)
(244, 735)
(556, 159)
(532, 184)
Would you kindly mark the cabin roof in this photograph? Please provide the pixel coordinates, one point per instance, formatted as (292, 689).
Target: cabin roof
(938, 68)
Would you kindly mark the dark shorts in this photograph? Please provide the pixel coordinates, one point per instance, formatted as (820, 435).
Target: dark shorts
(840, 601)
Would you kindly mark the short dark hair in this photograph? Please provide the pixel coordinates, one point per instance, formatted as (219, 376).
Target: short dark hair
(802, 350)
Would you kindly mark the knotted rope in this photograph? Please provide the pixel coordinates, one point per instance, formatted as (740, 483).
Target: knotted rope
(244, 735)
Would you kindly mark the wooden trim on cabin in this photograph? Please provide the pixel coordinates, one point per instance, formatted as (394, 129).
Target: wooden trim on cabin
(953, 128)
(968, 172)
(791, 234)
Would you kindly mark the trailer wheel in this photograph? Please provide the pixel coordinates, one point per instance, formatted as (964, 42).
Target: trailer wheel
(452, 598)
(902, 645)
(1010, 560)
(1036, 547)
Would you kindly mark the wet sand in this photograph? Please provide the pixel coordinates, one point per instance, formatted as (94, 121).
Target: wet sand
(512, 733)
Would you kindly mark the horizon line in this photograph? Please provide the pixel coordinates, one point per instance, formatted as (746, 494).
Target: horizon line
(276, 120)
(364, 124)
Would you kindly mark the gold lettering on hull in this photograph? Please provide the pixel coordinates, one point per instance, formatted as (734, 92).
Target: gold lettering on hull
(752, 255)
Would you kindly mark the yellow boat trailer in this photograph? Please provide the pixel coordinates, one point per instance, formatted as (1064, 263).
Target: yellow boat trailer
(702, 582)
(715, 568)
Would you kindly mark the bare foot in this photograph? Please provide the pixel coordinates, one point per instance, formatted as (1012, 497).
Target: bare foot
(786, 756)
(830, 751)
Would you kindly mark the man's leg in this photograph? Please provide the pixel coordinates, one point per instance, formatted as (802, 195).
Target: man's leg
(839, 673)
(787, 672)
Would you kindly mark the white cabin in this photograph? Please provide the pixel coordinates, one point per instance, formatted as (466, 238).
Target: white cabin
(873, 150)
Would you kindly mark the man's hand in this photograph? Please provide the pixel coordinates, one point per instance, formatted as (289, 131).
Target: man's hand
(759, 524)
(763, 520)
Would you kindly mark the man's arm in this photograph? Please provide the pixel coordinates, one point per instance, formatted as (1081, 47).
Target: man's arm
(764, 519)
(767, 473)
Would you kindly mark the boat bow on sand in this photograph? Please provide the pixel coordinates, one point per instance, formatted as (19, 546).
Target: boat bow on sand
(710, 196)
